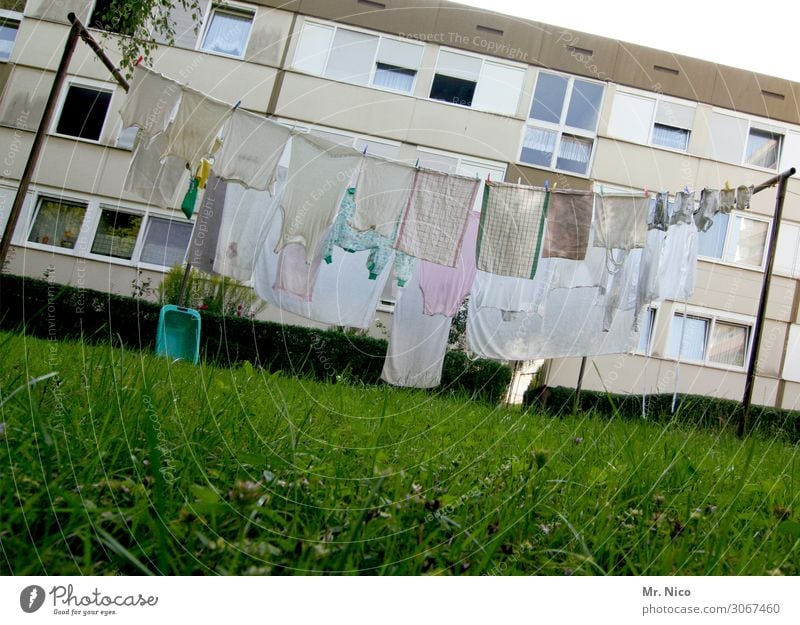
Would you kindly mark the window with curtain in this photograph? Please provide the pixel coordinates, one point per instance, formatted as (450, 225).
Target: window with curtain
(165, 242)
(8, 35)
(763, 148)
(736, 239)
(694, 331)
(671, 137)
(562, 123)
(227, 31)
(116, 234)
(358, 57)
(57, 223)
(708, 340)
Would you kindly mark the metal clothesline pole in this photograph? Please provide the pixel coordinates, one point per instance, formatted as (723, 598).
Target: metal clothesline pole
(78, 30)
(781, 180)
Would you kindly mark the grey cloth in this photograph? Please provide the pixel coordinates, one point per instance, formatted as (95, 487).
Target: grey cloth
(743, 195)
(684, 208)
(660, 217)
(727, 200)
(621, 221)
(203, 246)
(709, 207)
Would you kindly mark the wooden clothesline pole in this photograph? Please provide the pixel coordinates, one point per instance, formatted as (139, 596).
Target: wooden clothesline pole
(78, 30)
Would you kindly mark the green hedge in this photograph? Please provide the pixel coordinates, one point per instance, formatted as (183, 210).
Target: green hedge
(707, 412)
(50, 310)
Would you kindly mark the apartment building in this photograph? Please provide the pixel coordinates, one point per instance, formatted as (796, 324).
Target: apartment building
(455, 88)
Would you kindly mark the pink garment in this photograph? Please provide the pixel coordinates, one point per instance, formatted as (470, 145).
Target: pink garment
(295, 277)
(444, 288)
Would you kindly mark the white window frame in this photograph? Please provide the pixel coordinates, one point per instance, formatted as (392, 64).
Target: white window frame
(658, 100)
(652, 310)
(13, 16)
(235, 8)
(484, 60)
(561, 128)
(88, 83)
(779, 130)
(380, 37)
(728, 237)
(712, 317)
(88, 230)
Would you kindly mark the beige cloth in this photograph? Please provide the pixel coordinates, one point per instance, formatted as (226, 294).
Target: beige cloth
(433, 223)
(512, 225)
(569, 219)
(150, 102)
(155, 180)
(195, 128)
(319, 174)
(251, 151)
(621, 221)
(382, 193)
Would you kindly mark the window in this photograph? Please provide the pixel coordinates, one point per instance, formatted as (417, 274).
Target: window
(709, 340)
(735, 239)
(472, 81)
(227, 31)
(103, 18)
(358, 57)
(83, 112)
(562, 123)
(116, 234)
(763, 148)
(57, 223)
(646, 334)
(165, 242)
(651, 120)
(9, 25)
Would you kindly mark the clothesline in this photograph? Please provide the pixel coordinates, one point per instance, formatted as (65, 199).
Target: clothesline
(550, 272)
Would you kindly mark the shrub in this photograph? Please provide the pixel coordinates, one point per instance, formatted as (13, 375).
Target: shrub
(50, 310)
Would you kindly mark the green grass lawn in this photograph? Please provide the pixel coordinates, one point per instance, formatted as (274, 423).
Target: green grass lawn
(122, 463)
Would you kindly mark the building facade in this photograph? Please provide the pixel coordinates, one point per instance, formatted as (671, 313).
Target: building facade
(455, 88)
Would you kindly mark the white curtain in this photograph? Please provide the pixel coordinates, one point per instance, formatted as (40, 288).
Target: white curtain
(395, 78)
(227, 33)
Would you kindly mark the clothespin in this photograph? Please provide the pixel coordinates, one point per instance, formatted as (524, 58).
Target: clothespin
(727, 186)
(519, 180)
(555, 184)
(686, 189)
(417, 164)
(139, 59)
(236, 106)
(547, 185)
(645, 192)
(364, 153)
(488, 177)
(601, 189)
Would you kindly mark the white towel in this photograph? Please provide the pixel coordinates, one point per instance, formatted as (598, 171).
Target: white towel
(150, 102)
(156, 180)
(319, 174)
(251, 150)
(432, 226)
(382, 193)
(196, 125)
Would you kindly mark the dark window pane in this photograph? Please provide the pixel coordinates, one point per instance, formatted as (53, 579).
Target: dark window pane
(116, 234)
(453, 90)
(104, 17)
(83, 113)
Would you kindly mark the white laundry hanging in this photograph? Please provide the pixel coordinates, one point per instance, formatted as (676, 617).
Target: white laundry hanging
(417, 342)
(382, 194)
